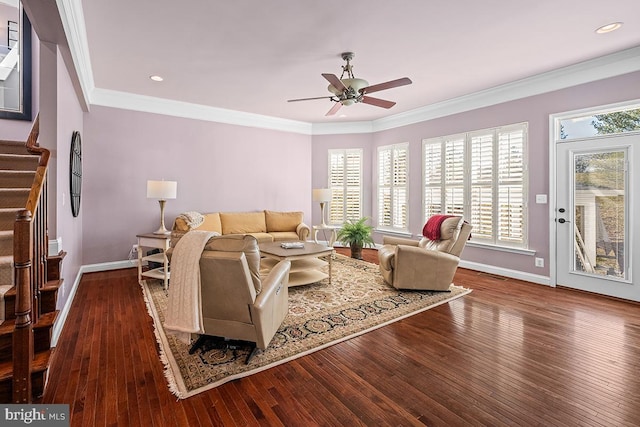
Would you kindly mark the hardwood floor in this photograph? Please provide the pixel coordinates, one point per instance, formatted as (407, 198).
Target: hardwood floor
(510, 353)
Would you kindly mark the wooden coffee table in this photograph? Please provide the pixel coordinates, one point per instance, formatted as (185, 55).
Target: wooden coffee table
(305, 262)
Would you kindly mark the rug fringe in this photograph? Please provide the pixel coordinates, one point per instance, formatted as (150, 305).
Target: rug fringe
(168, 371)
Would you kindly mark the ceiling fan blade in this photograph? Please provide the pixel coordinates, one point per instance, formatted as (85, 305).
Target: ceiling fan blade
(334, 109)
(309, 99)
(378, 102)
(335, 81)
(386, 85)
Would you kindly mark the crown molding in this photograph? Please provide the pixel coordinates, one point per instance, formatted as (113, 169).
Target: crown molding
(622, 62)
(342, 128)
(72, 18)
(150, 104)
(615, 64)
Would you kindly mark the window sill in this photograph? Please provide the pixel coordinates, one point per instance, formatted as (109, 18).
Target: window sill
(393, 232)
(520, 251)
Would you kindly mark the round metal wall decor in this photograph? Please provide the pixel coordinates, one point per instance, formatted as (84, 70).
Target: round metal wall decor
(75, 173)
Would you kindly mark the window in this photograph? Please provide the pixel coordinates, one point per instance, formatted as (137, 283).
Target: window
(345, 182)
(480, 175)
(393, 187)
(610, 121)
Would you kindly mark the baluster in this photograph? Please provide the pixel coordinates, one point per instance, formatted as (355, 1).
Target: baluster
(22, 335)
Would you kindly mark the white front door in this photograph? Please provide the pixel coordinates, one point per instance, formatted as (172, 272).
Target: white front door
(597, 194)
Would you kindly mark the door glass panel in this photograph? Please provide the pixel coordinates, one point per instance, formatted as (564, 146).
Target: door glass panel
(600, 213)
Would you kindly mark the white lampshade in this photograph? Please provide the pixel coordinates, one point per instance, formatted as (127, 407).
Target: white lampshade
(322, 195)
(162, 190)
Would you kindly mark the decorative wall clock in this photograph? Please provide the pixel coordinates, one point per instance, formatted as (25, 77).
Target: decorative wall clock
(75, 173)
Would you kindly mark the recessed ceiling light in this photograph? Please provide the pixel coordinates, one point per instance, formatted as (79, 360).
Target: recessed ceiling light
(156, 78)
(609, 27)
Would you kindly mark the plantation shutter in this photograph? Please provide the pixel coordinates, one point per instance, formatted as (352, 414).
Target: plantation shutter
(481, 183)
(432, 161)
(400, 180)
(345, 182)
(511, 187)
(384, 188)
(480, 175)
(393, 194)
(454, 176)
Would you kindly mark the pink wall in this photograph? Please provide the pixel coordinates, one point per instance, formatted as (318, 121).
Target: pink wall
(535, 110)
(218, 167)
(68, 228)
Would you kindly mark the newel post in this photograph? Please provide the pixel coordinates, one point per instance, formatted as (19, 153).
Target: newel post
(22, 335)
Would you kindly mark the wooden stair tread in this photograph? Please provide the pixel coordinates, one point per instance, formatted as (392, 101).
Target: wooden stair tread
(51, 285)
(46, 320)
(7, 327)
(40, 363)
(11, 292)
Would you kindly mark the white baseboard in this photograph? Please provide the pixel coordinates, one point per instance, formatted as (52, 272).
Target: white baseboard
(505, 272)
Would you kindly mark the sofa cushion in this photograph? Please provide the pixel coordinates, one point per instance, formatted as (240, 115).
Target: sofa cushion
(211, 223)
(243, 222)
(282, 221)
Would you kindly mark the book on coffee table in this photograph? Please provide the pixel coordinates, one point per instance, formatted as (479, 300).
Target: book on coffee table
(292, 245)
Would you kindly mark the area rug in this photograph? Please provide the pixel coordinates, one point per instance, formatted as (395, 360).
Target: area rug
(321, 314)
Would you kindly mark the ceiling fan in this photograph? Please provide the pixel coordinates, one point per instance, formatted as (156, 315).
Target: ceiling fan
(348, 90)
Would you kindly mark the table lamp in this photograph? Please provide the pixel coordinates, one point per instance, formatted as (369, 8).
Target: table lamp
(162, 190)
(322, 195)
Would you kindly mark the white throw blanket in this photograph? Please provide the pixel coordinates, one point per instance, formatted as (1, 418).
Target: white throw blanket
(184, 308)
(192, 219)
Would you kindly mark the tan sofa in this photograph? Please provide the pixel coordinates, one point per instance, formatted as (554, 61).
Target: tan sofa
(265, 226)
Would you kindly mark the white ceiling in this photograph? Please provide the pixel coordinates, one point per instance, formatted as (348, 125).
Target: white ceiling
(252, 56)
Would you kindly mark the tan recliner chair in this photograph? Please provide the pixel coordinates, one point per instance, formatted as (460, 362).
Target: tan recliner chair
(236, 304)
(425, 264)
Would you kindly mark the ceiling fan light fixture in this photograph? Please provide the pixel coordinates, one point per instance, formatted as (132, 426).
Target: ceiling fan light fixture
(355, 84)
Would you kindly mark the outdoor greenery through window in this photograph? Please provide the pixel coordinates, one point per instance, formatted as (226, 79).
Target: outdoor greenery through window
(482, 176)
(604, 123)
(345, 182)
(393, 187)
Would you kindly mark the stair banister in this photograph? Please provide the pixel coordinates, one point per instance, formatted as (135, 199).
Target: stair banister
(30, 253)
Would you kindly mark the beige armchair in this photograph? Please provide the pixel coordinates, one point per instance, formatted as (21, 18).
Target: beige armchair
(236, 303)
(425, 264)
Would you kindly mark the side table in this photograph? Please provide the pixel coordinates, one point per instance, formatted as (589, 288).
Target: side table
(324, 228)
(156, 241)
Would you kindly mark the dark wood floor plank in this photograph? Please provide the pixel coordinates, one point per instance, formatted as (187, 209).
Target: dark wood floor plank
(509, 353)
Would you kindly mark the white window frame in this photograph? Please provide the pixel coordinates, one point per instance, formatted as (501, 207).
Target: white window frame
(345, 187)
(491, 183)
(393, 189)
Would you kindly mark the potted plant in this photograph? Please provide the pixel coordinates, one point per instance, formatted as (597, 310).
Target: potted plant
(356, 235)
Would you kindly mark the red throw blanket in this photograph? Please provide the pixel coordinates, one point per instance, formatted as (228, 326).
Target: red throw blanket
(431, 229)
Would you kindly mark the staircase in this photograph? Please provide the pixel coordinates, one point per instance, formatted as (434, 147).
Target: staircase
(29, 277)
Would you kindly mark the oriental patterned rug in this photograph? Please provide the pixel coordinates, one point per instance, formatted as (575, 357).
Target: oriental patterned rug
(320, 315)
